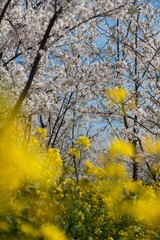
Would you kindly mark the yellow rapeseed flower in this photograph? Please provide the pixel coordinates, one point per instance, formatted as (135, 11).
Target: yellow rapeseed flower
(74, 152)
(42, 132)
(27, 230)
(117, 95)
(150, 145)
(133, 187)
(16, 164)
(120, 147)
(116, 170)
(84, 142)
(90, 167)
(147, 211)
(51, 232)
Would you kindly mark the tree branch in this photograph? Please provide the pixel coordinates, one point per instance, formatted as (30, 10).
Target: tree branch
(4, 10)
(32, 72)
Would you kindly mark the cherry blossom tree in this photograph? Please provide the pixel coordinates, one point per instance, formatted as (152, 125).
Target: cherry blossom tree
(133, 53)
(34, 36)
(57, 75)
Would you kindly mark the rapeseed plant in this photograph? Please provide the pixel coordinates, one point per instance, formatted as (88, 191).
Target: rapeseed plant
(39, 198)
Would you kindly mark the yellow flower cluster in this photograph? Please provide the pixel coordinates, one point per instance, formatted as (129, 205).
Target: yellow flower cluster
(84, 142)
(117, 94)
(145, 207)
(48, 231)
(53, 164)
(51, 232)
(151, 146)
(121, 147)
(74, 152)
(16, 164)
(124, 197)
(28, 168)
(42, 132)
